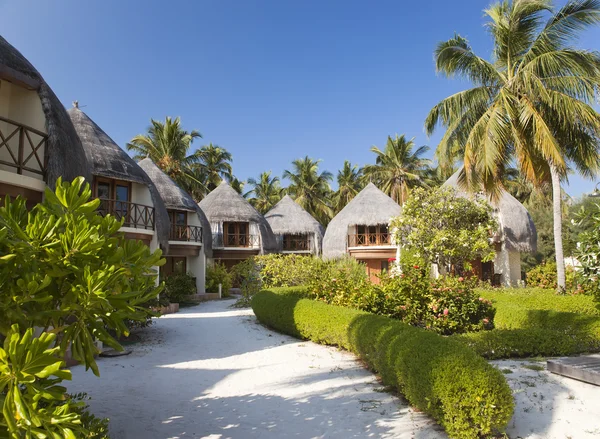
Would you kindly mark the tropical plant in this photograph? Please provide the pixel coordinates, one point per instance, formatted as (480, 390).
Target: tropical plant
(213, 166)
(533, 105)
(179, 287)
(238, 186)
(446, 229)
(167, 144)
(216, 275)
(588, 248)
(350, 183)
(265, 193)
(69, 275)
(398, 168)
(310, 189)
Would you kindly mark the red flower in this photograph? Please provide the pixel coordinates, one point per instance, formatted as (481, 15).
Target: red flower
(446, 311)
(391, 259)
(460, 279)
(416, 267)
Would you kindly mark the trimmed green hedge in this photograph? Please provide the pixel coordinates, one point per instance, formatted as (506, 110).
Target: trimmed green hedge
(438, 375)
(537, 322)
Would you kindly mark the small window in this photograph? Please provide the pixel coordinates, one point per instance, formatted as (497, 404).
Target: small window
(103, 190)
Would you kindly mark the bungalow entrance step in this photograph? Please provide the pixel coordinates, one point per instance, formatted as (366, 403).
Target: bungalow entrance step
(585, 368)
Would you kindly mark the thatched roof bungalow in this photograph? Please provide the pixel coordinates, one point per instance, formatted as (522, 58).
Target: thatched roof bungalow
(32, 118)
(295, 229)
(238, 229)
(517, 234)
(124, 188)
(360, 230)
(190, 238)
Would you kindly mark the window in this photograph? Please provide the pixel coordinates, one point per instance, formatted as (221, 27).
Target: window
(296, 242)
(179, 229)
(236, 234)
(115, 197)
(173, 265)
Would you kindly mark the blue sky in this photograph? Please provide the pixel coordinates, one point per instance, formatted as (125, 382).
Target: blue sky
(270, 81)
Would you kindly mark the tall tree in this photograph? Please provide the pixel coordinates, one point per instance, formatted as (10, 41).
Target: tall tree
(167, 144)
(310, 189)
(350, 183)
(398, 168)
(213, 166)
(532, 105)
(265, 192)
(238, 186)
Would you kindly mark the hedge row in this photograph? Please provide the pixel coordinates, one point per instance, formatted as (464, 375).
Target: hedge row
(436, 374)
(534, 322)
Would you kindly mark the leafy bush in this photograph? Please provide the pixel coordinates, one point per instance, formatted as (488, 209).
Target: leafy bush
(291, 270)
(588, 248)
(544, 276)
(62, 267)
(247, 276)
(218, 274)
(439, 376)
(178, 287)
(444, 228)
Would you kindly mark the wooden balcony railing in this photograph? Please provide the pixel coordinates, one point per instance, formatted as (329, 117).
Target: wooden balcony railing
(296, 243)
(369, 239)
(238, 241)
(27, 147)
(135, 215)
(186, 233)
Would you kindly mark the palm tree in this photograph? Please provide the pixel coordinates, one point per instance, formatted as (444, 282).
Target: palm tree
(167, 144)
(265, 192)
(310, 188)
(238, 186)
(213, 166)
(350, 183)
(532, 106)
(397, 168)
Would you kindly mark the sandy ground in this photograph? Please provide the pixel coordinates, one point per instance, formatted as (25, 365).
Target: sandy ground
(213, 372)
(550, 406)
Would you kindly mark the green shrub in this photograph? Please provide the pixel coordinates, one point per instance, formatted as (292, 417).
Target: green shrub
(218, 274)
(439, 376)
(340, 282)
(286, 270)
(247, 275)
(544, 276)
(65, 267)
(178, 287)
(588, 248)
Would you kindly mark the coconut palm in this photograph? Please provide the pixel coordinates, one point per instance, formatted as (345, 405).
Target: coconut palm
(531, 106)
(213, 166)
(398, 168)
(350, 183)
(238, 186)
(265, 193)
(167, 144)
(310, 188)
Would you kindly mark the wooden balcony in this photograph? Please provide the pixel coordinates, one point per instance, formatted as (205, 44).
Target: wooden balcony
(26, 147)
(185, 233)
(236, 241)
(137, 216)
(369, 239)
(296, 244)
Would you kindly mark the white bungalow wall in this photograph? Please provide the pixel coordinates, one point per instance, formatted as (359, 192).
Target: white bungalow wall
(22, 106)
(508, 263)
(140, 194)
(196, 265)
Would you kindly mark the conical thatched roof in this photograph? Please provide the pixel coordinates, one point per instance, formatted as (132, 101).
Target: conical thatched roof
(66, 157)
(518, 230)
(287, 217)
(224, 204)
(370, 207)
(106, 158)
(176, 198)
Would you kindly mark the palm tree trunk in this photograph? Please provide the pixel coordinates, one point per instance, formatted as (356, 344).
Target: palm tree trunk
(558, 244)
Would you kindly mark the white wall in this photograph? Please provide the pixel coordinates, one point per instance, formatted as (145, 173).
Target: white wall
(140, 194)
(22, 106)
(196, 266)
(508, 263)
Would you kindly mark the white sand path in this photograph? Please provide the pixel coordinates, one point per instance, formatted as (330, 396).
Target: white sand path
(214, 372)
(211, 371)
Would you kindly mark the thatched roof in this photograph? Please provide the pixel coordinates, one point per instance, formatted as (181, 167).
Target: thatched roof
(517, 228)
(66, 157)
(370, 207)
(224, 204)
(106, 158)
(287, 217)
(176, 198)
